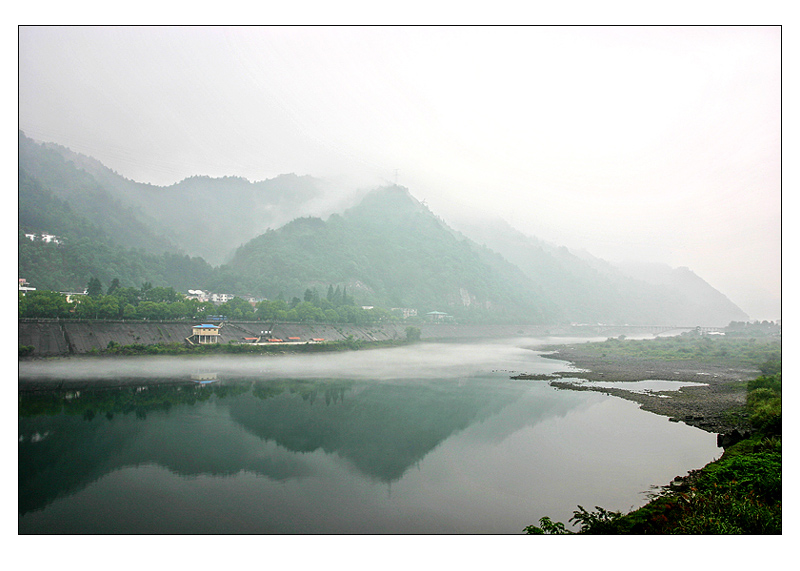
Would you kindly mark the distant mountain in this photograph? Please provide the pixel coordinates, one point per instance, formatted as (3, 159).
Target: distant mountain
(226, 212)
(87, 198)
(716, 306)
(389, 250)
(592, 290)
(85, 250)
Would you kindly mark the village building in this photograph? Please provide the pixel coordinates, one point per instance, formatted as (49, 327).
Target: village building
(437, 316)
(24, 286)
(406, 312)
(206, 333)
(73, 295)
(221, 297)
(198, 294)
(48, 238)
(51, 238)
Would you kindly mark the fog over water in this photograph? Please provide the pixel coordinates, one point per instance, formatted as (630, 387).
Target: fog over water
(658, 144)
(423, 361)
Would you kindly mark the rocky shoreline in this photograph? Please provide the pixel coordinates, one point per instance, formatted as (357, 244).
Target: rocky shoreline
(716, 407)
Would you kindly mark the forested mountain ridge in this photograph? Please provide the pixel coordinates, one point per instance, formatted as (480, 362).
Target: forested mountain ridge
(86, 250)
(231, 210)
(119, 220)
(389, 250)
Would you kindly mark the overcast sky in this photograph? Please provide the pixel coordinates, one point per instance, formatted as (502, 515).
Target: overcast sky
(654, 143)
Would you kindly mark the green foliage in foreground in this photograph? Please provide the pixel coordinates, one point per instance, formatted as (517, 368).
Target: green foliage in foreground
(26, 350)
(764, 404)
(738, 494)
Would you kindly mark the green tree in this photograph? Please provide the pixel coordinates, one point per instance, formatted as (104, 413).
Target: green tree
(129, 312)
(237, 308)
(95, 288)
(107, 307)
(161, 294)
(152, 310)
(42, 303)
(87, 307)
(113, 287)
(413, 333)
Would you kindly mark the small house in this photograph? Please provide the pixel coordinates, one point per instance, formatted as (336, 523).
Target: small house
(437, 316)
(206, 333)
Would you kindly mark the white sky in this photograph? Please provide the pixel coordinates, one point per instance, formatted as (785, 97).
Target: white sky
(656, 143)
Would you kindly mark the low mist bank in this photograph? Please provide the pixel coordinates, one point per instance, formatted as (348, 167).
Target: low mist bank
(421, 361)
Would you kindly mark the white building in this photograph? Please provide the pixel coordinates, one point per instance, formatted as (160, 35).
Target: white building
(221, 297)
(51, 238)
(198, 294)
(406, 312)
(25, 286)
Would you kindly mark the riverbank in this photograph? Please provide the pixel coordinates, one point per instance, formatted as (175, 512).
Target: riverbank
(740, 493)
(717, 406)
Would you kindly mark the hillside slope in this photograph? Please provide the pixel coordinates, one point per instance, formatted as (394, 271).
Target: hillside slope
(200, 215)
(592, 290)
(390, 250)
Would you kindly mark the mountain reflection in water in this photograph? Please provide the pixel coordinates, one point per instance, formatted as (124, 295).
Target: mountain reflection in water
(451, 454)
(381, 429)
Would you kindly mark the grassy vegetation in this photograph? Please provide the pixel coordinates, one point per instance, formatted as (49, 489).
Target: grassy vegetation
(136, 349)
(755, 352)
(738, 494)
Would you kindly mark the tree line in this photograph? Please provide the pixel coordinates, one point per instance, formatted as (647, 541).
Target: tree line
(164, 303)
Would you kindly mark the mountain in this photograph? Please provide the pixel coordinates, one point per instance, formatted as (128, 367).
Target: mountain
(227, 211)
(87, 198)
(388, 250)
(85, 250)
(391, 251)
(717, 308)
(592, 290)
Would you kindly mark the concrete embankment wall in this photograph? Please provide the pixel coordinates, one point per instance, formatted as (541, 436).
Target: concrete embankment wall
(60, 337)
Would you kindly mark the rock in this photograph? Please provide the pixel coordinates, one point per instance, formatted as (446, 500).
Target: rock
(727, 440)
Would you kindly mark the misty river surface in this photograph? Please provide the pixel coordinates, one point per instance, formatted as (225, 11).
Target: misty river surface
(423, 439)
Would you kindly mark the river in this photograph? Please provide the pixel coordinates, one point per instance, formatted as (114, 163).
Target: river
(434, 438)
